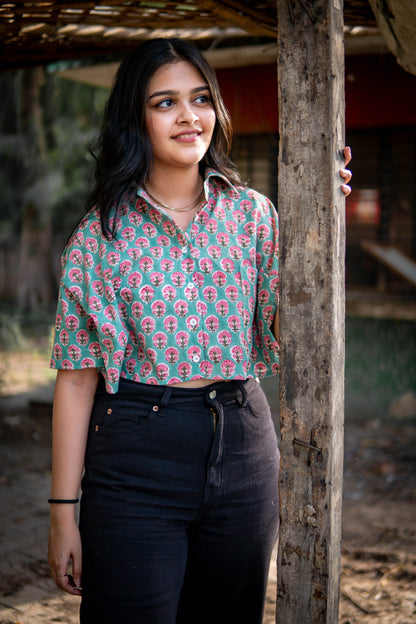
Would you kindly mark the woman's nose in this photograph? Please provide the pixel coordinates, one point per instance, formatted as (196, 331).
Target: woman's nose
(187, 115)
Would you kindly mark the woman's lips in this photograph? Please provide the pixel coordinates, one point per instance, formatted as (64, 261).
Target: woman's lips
(187, 137)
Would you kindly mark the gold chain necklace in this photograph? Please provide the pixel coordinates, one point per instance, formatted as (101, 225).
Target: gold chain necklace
(194, 204)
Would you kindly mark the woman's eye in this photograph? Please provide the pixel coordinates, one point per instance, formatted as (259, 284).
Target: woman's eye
(203, 99)
(165, 103)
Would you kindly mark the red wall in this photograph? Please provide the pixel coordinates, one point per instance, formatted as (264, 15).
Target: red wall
(250, 94)
(378, 93)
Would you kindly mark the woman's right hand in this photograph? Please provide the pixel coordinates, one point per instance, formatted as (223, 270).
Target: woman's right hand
(72, 406)
(65, 555)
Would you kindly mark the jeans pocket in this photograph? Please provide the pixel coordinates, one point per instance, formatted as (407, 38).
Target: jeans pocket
(119, 416)
(257, 403)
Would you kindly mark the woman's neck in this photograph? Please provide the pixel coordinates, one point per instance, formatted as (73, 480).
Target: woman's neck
(175, 188)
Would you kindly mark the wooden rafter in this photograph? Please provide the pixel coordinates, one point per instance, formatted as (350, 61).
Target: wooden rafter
(260, 21)
(45, 31)
(397, 24)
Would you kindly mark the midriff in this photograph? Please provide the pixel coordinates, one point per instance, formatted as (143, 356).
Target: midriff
(196, 383)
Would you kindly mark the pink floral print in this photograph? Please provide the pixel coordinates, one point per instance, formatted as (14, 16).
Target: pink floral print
(158, 305)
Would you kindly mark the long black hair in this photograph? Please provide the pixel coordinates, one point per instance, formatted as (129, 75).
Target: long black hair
(124, 157)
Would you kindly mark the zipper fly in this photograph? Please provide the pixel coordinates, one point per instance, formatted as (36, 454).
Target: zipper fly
(214, 418)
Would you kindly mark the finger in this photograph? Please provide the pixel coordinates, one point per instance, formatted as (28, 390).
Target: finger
(63, 580)
(347, 154)
(346, 174)
(346, 189)
(66, 582)
(76, 586)
(77, 568)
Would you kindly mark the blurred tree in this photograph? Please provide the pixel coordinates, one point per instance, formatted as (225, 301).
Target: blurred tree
(46, 124)
(35, 285)
(12, 153)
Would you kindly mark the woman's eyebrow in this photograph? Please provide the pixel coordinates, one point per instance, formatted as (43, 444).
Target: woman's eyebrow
(172, 92)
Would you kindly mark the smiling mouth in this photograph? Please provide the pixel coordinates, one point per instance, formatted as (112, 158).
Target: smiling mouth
(188, 135)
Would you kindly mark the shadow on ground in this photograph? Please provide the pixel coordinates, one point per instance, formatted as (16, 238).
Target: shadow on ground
(378, 578)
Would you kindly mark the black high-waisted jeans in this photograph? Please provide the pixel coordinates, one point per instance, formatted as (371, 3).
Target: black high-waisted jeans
(179, 509)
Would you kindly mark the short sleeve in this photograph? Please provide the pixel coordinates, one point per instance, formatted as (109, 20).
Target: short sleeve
(89, 330)
(265, 351)
(76, 343)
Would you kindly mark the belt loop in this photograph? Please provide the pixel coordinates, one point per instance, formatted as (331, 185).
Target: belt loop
(164, 400)
(243, 391)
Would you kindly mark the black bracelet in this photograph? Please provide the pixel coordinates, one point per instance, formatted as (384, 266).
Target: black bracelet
(64, 500)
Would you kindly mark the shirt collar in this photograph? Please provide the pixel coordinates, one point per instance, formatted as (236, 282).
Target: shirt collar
(210, 175)
(213, 173)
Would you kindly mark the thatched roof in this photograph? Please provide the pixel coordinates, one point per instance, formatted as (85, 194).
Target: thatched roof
(45, 31)
(49, 30)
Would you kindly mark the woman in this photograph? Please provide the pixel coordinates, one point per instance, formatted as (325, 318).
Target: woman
(167, 317)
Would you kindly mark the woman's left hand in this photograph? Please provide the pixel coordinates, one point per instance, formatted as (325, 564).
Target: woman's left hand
(346, 173)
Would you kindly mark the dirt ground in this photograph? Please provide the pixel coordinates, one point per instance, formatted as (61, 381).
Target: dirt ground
(378, 579)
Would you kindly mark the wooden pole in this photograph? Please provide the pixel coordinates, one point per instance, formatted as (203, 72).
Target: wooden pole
(311, 207)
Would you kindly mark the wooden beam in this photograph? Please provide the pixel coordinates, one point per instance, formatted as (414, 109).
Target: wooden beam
(250, 20)
(103, 74)
(397, 23)
(312, 218)
(393, 258)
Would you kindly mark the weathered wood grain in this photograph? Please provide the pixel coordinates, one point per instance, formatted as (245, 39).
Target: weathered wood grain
(397, 23)
(312, 221)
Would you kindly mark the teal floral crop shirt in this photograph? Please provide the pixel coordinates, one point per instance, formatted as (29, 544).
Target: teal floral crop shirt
(159, 305)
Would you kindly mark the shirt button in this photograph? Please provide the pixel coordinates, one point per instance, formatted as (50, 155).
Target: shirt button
(193, 322)
(191, 285)
(196, 358)
(184, 249)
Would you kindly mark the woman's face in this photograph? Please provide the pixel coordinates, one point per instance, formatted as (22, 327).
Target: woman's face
(180, 116)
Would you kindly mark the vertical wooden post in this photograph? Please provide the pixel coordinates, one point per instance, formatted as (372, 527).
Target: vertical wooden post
(311, 207)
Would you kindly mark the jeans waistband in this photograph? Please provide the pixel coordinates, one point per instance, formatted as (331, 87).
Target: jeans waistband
(221, 391)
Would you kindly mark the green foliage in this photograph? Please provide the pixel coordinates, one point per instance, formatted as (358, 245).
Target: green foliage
(72, 114)
(11, 185)
(11, 336)
(46, 126)
(380, 364)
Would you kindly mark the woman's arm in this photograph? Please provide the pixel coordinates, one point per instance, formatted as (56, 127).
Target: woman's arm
(73, 401)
